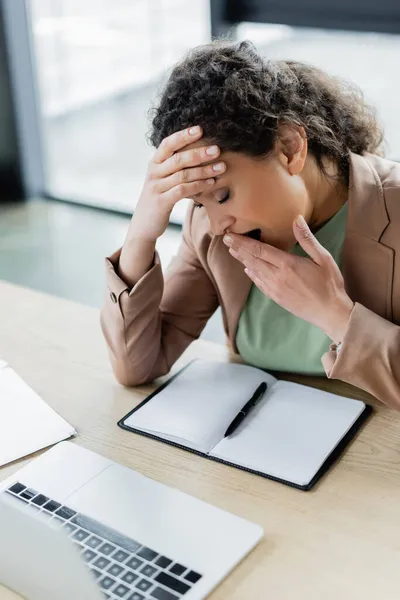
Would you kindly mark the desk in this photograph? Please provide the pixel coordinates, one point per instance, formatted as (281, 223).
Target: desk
(339, 541)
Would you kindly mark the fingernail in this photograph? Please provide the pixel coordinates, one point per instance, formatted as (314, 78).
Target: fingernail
(218, 167)
(212, 150)
(300, 222)
(228, 240)
(194, 130)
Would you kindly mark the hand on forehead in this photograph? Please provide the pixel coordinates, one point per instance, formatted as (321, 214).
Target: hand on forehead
(202, 143)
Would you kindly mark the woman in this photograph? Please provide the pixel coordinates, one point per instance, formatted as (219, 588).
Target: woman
(281, 152)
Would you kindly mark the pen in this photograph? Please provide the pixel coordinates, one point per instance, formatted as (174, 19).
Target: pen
(258, 394)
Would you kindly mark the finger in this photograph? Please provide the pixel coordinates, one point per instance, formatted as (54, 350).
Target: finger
(256, 265)
(185, 190)
(262, 285)
(190, 175)
(243, 246)
(262, 269)
(308, 241)
(176, 142)
(186, 159)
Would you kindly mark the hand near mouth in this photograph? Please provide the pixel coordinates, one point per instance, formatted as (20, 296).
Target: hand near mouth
(310, 288)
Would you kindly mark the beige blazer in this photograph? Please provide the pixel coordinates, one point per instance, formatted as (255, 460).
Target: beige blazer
(147, 328)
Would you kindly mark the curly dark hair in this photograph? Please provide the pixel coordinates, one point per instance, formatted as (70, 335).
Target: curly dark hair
(240, 98)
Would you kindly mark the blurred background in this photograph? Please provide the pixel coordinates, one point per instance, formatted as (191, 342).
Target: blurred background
(77, 78)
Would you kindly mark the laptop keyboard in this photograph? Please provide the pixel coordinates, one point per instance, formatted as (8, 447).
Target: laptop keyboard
(123, 567)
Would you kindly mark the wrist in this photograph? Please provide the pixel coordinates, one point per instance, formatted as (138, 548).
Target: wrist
(136, 258)
(134, 248)
(339, 321)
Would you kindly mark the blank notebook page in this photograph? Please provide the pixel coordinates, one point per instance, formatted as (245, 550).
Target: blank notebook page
(199, 404)
(291, 432)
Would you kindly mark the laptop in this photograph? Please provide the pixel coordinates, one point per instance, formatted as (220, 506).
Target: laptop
(77, 525)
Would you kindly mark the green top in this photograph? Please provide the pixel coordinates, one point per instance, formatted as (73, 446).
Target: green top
(272, 338)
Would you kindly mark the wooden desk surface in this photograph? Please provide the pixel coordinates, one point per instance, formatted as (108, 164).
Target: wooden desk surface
(339, 541)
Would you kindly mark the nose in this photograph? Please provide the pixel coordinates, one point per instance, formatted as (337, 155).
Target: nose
(220, 222)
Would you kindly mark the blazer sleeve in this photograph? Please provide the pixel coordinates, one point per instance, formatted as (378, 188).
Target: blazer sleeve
(148, 327)
(369, 357)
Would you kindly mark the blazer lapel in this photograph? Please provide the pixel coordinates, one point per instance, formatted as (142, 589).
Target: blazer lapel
(233, 285)
(367, 263)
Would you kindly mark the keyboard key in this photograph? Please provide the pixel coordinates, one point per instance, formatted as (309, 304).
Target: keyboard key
(148, 570)
(161, 594)
(89, 555)
(69, 528)
(93, 542)
(106, 548)
(136, 596)
(147, 553)
(121, 590)
(96, 573)
(193, 577)
(172, 583)
(80, 535)
(102, 562)
(65, 513)
(177, 569)
(134, 563)
(40, 500)
(52, 505)
(28, 494)
(17, 488)
(105, 532)
(163, 562)
(129, 577)
(120, 556)
(115, 570)
(106, 582)
(78, 546)
(143, 585)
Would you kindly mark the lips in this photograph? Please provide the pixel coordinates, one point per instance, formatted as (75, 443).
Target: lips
(254, 234)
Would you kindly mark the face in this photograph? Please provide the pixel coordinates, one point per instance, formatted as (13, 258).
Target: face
(255, 194)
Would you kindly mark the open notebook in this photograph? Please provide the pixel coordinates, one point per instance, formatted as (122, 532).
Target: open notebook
(292, 435)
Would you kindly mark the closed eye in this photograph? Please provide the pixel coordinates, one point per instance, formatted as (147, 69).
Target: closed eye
(224, 199)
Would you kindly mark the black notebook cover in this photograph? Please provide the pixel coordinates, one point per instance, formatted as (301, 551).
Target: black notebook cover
(332, 458)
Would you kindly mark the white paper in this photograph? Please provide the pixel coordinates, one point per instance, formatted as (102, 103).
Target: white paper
(27, 423)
